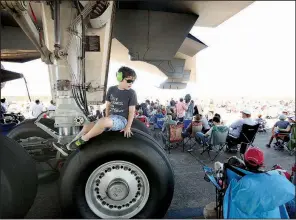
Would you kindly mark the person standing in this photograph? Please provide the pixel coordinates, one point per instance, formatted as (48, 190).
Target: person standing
(172, 103)
(190, 110)
(37, 109)
(181, 108)
(51, 107)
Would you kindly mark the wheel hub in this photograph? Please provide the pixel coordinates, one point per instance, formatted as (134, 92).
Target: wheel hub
(117, 189)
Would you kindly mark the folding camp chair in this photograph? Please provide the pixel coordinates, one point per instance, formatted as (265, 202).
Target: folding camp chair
(186, 123)
(190, 140)
(217, 141)
(282, 139)
(173, 137)
(158, 128)
(246, 138)
(238, 186)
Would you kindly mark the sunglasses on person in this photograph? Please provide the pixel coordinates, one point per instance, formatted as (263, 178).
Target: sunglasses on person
(130, 80)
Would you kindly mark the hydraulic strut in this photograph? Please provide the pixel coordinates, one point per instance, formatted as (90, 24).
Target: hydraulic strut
(76, 46)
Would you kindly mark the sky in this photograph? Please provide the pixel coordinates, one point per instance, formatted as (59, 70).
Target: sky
(252, 54)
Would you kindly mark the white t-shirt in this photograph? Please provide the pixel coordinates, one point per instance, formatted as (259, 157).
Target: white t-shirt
(51, 107)
(236, 127)
(205, 123)
(37, 110)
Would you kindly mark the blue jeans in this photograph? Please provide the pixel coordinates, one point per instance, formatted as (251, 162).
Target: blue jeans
(201, 137)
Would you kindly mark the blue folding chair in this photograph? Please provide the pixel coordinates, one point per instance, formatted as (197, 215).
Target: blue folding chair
(159, 123)
(244, 194)
(157, 120)
(186, 123)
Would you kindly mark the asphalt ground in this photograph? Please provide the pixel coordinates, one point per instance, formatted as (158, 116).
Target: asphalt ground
(192, 192)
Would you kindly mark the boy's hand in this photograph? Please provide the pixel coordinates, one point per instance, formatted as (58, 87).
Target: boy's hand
(127, 132)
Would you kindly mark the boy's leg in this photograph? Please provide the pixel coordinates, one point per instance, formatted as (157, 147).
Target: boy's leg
(86, 128)
(97, 129)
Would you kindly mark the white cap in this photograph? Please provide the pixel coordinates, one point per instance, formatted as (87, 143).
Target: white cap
(246, 111)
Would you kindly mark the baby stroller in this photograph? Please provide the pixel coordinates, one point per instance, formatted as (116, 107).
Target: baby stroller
(241, 193)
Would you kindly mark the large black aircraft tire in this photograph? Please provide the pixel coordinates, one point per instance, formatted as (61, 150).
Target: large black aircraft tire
(28, 129)
(135, 172)
(18, 180)
(140, 126)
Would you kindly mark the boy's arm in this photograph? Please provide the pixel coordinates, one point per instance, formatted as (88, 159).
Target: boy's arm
(131, 109)
(131, 113)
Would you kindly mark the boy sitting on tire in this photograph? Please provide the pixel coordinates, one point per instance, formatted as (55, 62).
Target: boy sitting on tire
(121, 102)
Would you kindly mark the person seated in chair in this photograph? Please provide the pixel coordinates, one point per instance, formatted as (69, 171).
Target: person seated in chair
(205, 124)
(261, 123)
(168, 121)
(236, 127)
(174, 115)
(211, 120)
(205, 138)
(138, 110)
(259, 119)
(281, 126)
(194, 127)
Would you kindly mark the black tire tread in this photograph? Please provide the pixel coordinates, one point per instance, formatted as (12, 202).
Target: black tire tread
(18, 173)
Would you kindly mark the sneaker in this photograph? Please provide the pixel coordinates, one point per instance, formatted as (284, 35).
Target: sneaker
(62, 149)
(190, 150)
(76, 144)
(267, 145)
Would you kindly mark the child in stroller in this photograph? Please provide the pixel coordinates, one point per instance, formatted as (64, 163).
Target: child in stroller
(243, 185)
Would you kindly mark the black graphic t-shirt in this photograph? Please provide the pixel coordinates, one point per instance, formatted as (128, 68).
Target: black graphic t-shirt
(121, 100)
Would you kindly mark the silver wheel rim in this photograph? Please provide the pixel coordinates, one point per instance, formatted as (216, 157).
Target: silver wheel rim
(117, 189)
